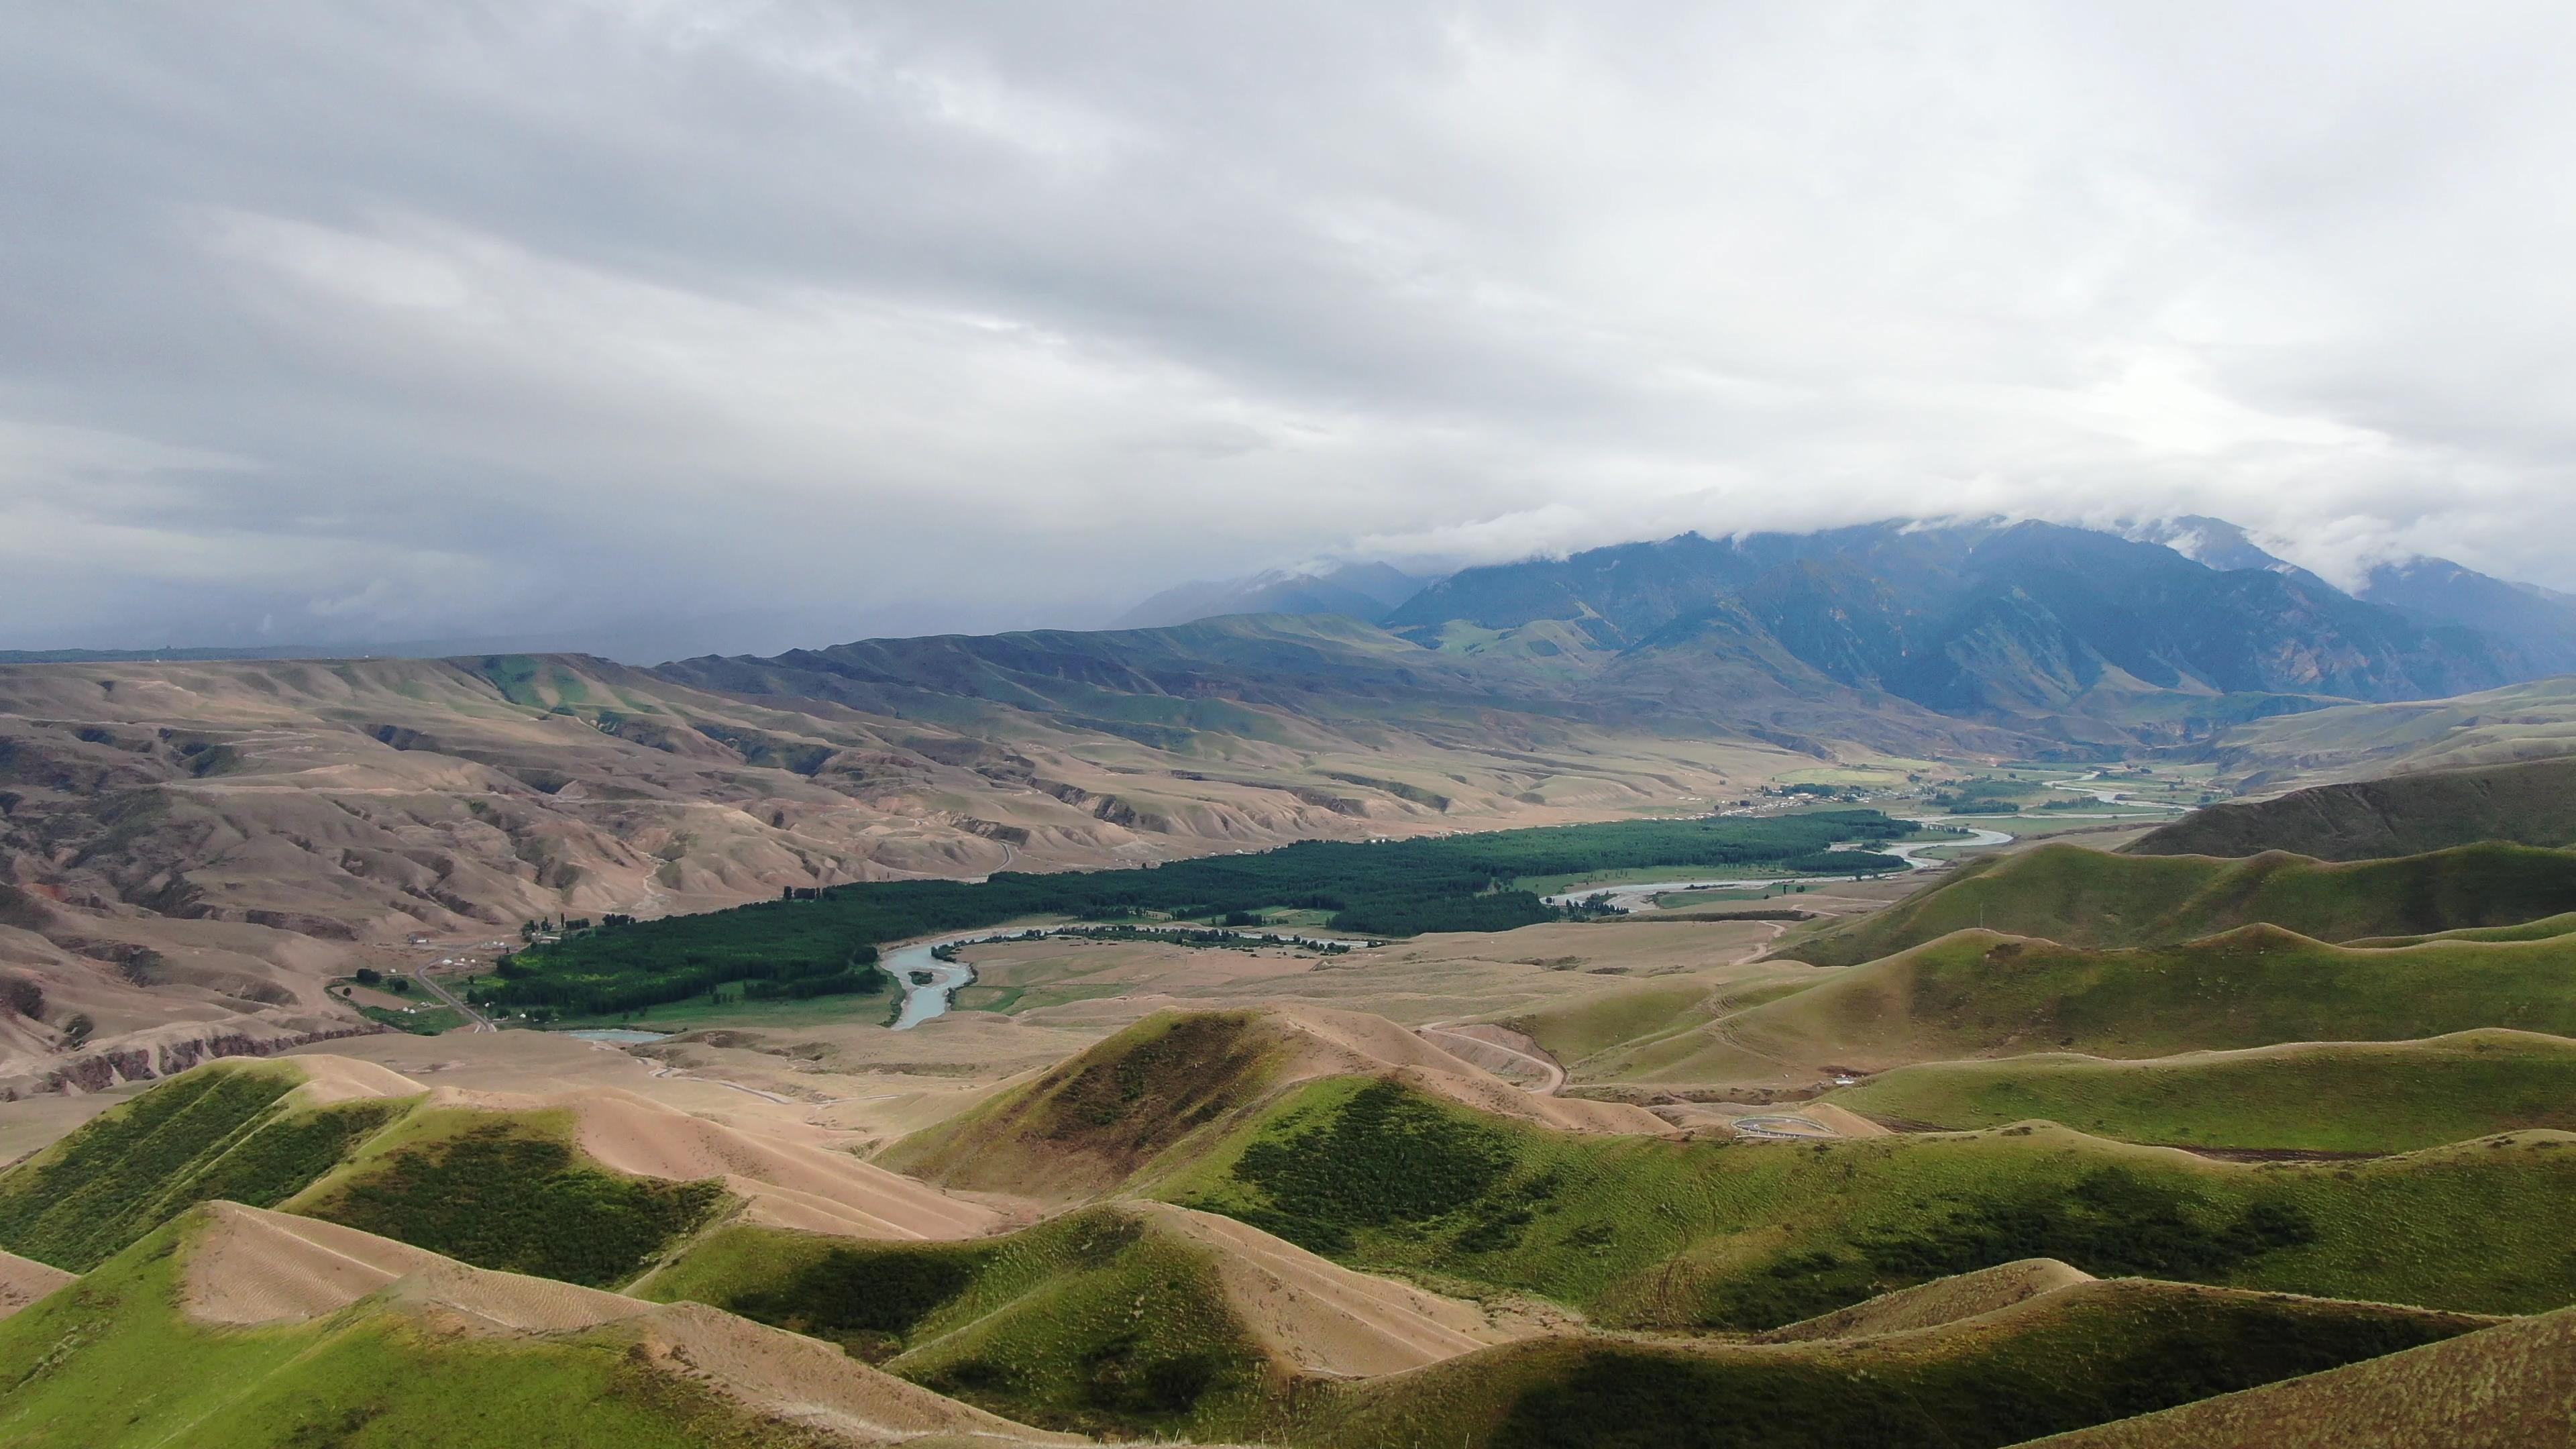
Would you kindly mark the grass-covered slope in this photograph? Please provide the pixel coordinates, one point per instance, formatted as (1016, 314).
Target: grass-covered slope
(1093, 1121)
(2533, 803)
(2086, 897)
(1702, 1234)
(2081, 1356)
(509, 1191)
(2323, 1097)
(222, 1130)
(1977, 993)
(442, 1359)
(1099, 1320)
(2512, 1386)
(497, 1189)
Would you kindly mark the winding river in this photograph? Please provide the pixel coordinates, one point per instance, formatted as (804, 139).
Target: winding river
(939, 981)
(1641, 895)
(931, 995)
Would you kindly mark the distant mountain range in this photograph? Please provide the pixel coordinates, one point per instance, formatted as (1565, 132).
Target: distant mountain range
(1362, 591)
(2066, 635)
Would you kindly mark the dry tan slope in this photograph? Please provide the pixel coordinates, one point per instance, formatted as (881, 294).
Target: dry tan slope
(1336, 1043)
(812, 1383)
(2508, 1387)
(786, 1183)
(202, 845)
(245, 1265)
(1322, 1317)
(24, 1280)
(788, 1175)
(329, 1078)
(1947, 1300)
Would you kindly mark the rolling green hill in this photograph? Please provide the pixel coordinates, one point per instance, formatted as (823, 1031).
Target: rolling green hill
(1657, 1233)
(496, 1189)
(1102, 1320)
(510, 1191)
(2508, 1387)
(2364, 1097)
(1981, 994)
(2081, 897)
(2533, 803)
(1091, 1123)
(1109, 1320)
(2519, 722)
(222, 1130)
(2079, 1356)
(443, 1358)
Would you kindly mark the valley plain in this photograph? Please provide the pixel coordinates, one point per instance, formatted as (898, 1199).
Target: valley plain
(1342, 1032)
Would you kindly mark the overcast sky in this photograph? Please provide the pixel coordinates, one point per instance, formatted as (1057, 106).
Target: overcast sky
(678, 326)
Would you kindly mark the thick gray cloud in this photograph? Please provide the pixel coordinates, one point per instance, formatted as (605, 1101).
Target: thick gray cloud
(710, 323)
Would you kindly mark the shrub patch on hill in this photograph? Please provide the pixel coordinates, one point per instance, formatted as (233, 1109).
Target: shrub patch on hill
(1385, 1157)
(498, 1195)
(216, 1132)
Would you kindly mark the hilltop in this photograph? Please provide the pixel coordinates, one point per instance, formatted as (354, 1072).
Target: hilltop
(588, 1187)
(2505, 1387)
(2385, 1096)
(1174, 1081)
(2080, 897)
(2532, 803)
(350, 1334)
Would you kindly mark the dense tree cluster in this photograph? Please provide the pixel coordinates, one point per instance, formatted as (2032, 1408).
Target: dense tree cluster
(791, 946)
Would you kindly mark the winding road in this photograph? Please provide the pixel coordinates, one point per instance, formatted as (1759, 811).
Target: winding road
(1555, 1074)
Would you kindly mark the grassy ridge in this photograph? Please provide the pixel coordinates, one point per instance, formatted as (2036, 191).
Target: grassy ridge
(495, 1189)
(1978, 993)
(1098, 1321)
(1094, 1121)
(218, 1131)
(114, 1364)
(2367, 1097)
(2083, 897)
(1398, 888)
(509, 1191)
(1657, 1233)
(2093, 1354)
(2533, 803)
(2502, 1387)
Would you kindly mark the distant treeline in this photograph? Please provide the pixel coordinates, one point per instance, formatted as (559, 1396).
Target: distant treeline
(1397, 888)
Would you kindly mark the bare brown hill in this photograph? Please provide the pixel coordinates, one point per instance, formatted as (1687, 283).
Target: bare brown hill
(24, 1280)
(204, 844)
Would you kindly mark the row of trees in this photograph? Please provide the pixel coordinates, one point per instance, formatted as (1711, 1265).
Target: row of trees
(1398, 888)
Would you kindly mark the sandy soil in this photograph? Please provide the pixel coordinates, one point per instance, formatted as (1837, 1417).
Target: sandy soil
(761, 1089)
(32, 1124)
(24, 1280)
(330, 1077)
(1350, 1042)
(1324, 1318)
(1513, 1056)
(809, 1180)
(250, 1266)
